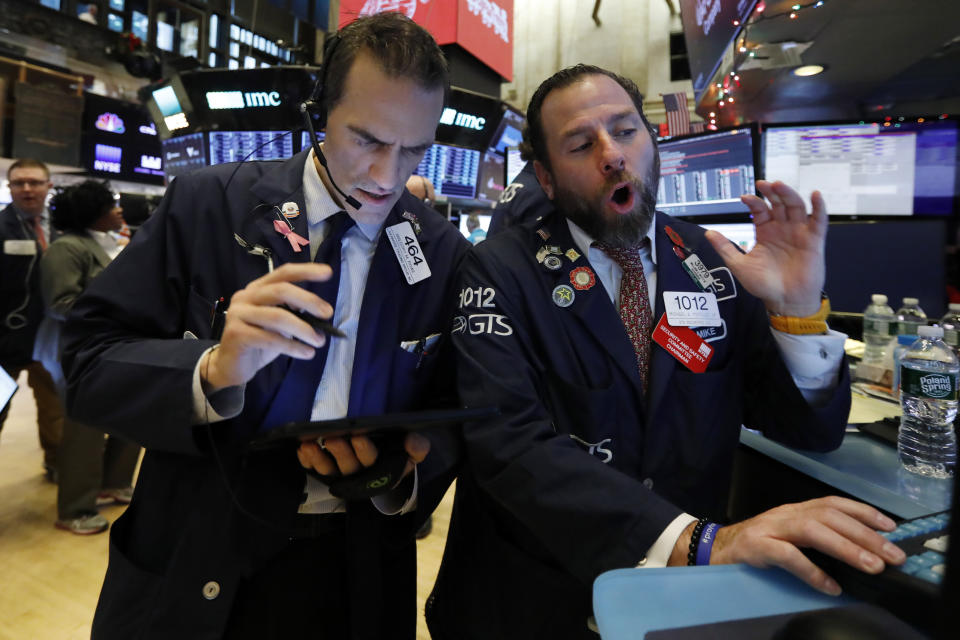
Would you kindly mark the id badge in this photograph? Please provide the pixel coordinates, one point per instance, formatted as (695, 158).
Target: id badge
(409, 255)
(689, 309)
(684, 345)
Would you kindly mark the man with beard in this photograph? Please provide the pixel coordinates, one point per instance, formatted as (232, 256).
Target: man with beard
(612, 451)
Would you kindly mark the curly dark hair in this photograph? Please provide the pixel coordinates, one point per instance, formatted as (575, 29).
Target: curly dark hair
(401, 47)
(534, 142)
(75, 208)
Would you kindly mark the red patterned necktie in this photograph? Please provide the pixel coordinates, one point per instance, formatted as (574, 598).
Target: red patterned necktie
(634, 303)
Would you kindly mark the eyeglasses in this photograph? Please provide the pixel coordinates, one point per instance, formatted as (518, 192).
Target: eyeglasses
(33, 184)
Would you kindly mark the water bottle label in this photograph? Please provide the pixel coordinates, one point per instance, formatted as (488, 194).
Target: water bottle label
(908, 328)
(938, 386)
(950, 337)
(879, 326)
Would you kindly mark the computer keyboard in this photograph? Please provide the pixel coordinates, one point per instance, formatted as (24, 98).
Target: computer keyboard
(910, 591)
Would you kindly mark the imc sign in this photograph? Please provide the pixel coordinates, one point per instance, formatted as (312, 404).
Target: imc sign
(243, 99)
(482, 27)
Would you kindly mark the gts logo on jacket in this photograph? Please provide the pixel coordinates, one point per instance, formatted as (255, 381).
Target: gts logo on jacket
(597, 449)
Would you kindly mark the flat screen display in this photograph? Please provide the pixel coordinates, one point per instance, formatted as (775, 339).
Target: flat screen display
(236, 146)
(706, 174)
(120, 141)
(452, 170)
(741, 234)
(468, 119)
(184, 154)
(515, 164)
(305, 139)
(868, 168)
(474, 226)
(708, 28)
(492, 172)
(510, 131)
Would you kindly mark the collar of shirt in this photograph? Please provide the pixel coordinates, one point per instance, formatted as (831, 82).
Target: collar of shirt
(609, 271)
(106, 241)
(320, 205)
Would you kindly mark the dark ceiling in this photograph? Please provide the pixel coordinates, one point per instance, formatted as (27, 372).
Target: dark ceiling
(882, 58)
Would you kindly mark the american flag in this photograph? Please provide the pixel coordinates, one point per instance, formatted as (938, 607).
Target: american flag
(697, 127)
(678, 116)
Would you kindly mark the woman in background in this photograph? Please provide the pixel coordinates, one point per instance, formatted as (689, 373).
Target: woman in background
(94, 469)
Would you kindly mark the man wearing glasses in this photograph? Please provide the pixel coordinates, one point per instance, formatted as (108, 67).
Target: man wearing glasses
(25, 233)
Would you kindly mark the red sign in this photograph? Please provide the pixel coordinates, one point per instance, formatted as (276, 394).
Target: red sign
(684, 345)
(484, 28)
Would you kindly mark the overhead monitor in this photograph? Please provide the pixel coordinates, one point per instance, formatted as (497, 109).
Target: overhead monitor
(184, 154)
(510, 131)
(237, 146)
(169, 107)
(120, 141)
(452, 170)
(515, 164)
(741, 234)
(873, 169)
(468, 119)
(706, 174)
(709, 26)
(490, 181)
(305, 139)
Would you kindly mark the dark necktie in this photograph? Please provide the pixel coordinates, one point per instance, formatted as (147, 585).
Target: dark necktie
(294, 400)
(634, 303)
(38, 231)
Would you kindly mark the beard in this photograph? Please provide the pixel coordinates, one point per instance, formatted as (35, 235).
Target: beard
(624, 230)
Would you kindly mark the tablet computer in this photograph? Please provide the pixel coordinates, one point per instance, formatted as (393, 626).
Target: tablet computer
(293, 432)
(8, 387)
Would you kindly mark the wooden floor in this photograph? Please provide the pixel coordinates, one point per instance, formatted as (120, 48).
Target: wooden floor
(50, 579)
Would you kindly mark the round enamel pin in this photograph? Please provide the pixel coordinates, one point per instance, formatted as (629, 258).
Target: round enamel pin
(552, 262)
(563, 296)
(290, 210)
(582, 278)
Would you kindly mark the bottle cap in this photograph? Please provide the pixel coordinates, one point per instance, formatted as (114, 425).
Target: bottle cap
(879, 298)
(929, 332)
(954, 306)
(911, 301)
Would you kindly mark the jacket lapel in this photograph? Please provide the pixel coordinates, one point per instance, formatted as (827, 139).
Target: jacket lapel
(276, 187)
(591, 307)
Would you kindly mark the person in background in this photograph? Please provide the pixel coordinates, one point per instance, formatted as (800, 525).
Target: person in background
(25, 233)
(422, 188)
(94, 469)
(225, 540)
(523, 199)
(90, 14)
(477, 233)
(619, 425)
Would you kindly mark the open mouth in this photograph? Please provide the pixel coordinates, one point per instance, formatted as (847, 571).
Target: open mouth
(621, 198)
(375, 197)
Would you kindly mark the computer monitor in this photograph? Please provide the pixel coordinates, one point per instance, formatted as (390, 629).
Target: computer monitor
(510, 131)
(490, 179)
(236, 146)
(706, 174)
(515, 164)
(305, 139)
(709, 28)
(868, 168)
(483, 218)
(742, 234)
(452, 170)
(898, 258)
(184, 154)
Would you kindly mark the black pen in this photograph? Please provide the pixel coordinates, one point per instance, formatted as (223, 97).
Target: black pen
(318, 324)
(218, 319)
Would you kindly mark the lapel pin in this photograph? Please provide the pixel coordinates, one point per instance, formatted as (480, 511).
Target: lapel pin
(572, 255)
(412, 217)
(296, 240)
(563, 296)
(290, 210)
(582, 278)
(552, 262)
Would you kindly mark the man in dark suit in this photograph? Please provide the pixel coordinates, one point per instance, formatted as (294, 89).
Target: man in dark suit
(221, 540)
(617, 423)
(25, 232)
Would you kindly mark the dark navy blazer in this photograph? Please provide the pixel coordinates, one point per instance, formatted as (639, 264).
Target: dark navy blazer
(522, 200)
(583, 472)
(130, 371)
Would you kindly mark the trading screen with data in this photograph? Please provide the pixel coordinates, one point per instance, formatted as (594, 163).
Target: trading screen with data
(234, 146)
(452, 170)
(706, 175)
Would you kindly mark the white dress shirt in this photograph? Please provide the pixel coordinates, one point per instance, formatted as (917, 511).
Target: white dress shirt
(813, 360)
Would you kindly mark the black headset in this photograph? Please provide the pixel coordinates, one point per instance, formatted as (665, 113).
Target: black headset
(312, 109)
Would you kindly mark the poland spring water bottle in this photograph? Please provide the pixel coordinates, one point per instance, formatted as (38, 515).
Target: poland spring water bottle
(927, 443)
(910, 316)
(879, 324)
(951, 328)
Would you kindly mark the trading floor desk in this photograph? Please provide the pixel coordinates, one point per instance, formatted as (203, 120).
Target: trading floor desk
(630, 602)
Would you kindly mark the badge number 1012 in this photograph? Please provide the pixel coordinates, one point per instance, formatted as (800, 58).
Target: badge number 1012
(686, 309)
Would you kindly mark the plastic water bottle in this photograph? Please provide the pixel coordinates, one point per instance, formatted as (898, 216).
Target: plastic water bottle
(910, 316)
(951, 327)
(929, 373)
(903, 344)
(878, 325)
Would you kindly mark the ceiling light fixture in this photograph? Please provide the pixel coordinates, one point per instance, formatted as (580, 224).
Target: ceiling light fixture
(808, 70)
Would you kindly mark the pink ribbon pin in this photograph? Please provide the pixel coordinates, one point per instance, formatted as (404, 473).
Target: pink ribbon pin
(296, 240)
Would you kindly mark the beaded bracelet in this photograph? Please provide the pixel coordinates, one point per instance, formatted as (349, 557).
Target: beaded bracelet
(695, 542)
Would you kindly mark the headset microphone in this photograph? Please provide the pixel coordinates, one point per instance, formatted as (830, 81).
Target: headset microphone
(305, 109)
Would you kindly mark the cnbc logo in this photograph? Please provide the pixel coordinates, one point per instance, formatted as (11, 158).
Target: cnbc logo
(456, 118)
(935, 386)
(242, 99)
